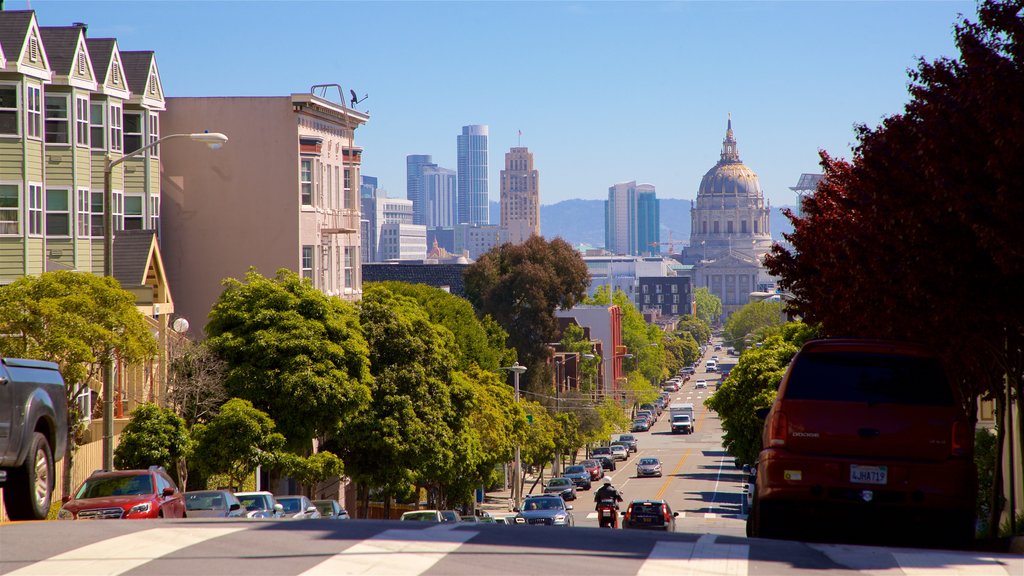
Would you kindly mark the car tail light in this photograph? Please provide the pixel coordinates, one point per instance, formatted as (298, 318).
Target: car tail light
(961, 439)
(629, 511)
(777, 429)
(668, 517)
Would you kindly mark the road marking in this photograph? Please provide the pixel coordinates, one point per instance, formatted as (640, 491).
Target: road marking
(710, 515)
(702, 558)
(714, 495)
(925, 563)
(118, 555)
(395, 552)
(679, 466)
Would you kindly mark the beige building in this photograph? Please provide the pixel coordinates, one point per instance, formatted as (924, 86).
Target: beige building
(520, 196)
(282, 193)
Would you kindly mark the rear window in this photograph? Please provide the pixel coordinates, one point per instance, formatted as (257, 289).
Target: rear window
(646, 508)
(870, 378)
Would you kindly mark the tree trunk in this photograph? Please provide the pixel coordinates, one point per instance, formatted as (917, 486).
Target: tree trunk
(182, 474)
(69, 455)
(1020, 425)
(387, 507)
(996, 503)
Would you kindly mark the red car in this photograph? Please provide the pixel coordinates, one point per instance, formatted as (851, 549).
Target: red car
(595, 469)
(865, 438)
(126, 494)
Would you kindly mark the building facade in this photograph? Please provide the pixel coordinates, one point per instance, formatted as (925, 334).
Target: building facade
(475, 240)
(282, 193)
(670, 295)
(632, 219)
(440, 196)
(520, 196)
(389, 233)
(604, 324)
(472, 178)
(648, 221)
(367, 186)
(414, 164)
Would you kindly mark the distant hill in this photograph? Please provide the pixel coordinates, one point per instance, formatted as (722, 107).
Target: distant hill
(582, 221)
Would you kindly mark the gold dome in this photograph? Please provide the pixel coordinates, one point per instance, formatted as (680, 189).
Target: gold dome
(730, 177)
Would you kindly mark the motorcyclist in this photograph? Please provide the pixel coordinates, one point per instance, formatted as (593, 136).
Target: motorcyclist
(608, 492)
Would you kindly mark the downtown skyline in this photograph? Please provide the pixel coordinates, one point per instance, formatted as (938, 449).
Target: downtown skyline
(603, 92)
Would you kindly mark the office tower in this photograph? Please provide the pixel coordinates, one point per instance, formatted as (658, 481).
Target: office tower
(631, 219)
(472, 166)
(367, 186)
(439, 189)
(648, 220)
(414, 164)
(520, 196)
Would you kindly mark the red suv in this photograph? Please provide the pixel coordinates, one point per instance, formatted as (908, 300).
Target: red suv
(867, 437)
(126, 494)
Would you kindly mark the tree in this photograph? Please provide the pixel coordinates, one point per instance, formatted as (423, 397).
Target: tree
(235, 441)
(681, 350)
(709, 306)
(698, 329)
(644, 341)
(154, 436)
(931, 195)
(497, 421)
(573, 340)
(80, 321)
(750, 321)
(195, 382)
(520, 286)
(293, 352)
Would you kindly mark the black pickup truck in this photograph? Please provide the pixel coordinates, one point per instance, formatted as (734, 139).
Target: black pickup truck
(33, 427)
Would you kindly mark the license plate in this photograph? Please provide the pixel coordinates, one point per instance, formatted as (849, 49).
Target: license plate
(647, 520)
(606, 513)
(869, 474)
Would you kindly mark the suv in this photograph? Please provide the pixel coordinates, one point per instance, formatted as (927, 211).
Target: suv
(650, 514)
(865, 435)
(545, 511)
(129, 494)
(260, 504)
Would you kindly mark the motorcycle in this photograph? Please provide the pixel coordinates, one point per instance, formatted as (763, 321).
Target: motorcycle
(608, 513)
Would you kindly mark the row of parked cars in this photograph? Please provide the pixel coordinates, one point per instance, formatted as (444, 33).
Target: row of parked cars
(151, 493)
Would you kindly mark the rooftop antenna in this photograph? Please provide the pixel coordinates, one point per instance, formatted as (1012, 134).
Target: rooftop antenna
(355, 99)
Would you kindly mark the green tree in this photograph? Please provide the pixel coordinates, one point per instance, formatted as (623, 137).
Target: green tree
(681, 350)
(573, 340)
(520, 286)
(311, 470)
(644, 341)
(541, 435)
(235, 441)
(751, 322)
(154, 435)
(709, 307)
(80, 321)
(568, 437)
(498, 423)
(699, 330)
(293, 352)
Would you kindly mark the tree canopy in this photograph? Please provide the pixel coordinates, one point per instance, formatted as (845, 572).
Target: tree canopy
(235, 441)
(153, 435)
(709, 306)
(750, 321)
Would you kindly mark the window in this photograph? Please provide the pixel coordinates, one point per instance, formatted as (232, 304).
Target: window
(82, 121)
(83, 218)
(743, 226)
(9, 109)
(704, 227)
(154, 133)
(57, 119)
(35, 112)
(96, 215)
(133, 212)
(728, 226)
(347, 192)
(675, 288)
(84, 401)
(96, 126)
(716, 227)
(307, 262)
(82, 64)
(58, 213)
(349, 267)
(675, 309)
(10, 209)
(755, 227)
(154, 212)
(132, 132)
(35, 210)
(115, 128)
(118, 210)
(306, 182)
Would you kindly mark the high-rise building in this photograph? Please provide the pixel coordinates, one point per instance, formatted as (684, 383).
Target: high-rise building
(472, 166)
(389, 233)
(367, 186)
(440, 201)
(414, 164)
(631, 219)
(520, 196)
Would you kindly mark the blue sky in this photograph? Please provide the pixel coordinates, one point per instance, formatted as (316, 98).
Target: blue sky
(603, 92)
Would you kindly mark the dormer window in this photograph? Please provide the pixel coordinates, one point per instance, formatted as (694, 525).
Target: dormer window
(33, 49)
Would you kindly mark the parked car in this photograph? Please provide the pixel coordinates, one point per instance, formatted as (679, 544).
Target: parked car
(563, 487)
(213, 504)
(601, 451)
(132, 494)
(579, 475)
(648, 467)
(331, 510)
(260, 504)
(619, 451)
(700, 384)
(630, 441)
(865, 436)
(647, 414)
(595, 469)
(607, 462)
(670, 386)
(298, 507)
(650, 407)
(650, 515)
(640, 425)
(451, 516)
(545, 511)
(422, 516)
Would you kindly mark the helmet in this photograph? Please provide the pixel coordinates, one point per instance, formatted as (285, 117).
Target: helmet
(607, 481)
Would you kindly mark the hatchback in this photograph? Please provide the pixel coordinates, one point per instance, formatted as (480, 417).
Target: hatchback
(629, 440)
(595, 469)
(260, 504)
(298, 507)
(331, 510)
(132, 494)
(213, 504)
(619, 452)
(865, 436)
(563, 487)
(650, 515)
(579, 475)
(648, 467)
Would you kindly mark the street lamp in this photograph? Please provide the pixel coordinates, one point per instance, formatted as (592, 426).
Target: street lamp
(517, 483)
(212, 139)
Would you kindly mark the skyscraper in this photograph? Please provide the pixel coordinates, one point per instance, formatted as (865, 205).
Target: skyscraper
(520, 196)
(414, 164)
(648, 220)
(472, 159)
(367, 186)
(440, 204)
(631, 219)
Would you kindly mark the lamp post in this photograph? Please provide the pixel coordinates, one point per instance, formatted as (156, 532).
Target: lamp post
(212, 139)
(517, 484)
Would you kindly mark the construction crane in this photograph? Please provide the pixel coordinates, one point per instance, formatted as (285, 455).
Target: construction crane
(671, 244)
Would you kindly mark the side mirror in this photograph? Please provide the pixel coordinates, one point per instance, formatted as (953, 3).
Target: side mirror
(278, 508)
(234, 507)
(168, 491)
(311, 510)
(675, 514)
(516, 509)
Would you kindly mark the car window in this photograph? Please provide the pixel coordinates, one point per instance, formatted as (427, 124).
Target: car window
(116, 486)
(646, 461)
(161, 483)
(575, 470)
(871, 378)
(325, 508)
(291, 505)
(646, 508)
(255, 502)
(601, 451)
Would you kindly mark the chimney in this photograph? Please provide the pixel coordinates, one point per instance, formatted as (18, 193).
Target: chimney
(82, 25)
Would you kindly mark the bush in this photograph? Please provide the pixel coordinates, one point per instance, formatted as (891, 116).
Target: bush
(985, 461)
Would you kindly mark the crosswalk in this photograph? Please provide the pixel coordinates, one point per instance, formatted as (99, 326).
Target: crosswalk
(315, 548)
(705, 515)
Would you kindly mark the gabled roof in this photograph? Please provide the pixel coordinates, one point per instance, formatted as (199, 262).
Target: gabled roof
(105, 55)
(14, 26)
(136, 68)
(61, 43)
(101, 49)
(131, 256)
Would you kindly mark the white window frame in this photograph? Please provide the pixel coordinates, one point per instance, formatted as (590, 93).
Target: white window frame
(12, 210)
(118, 209)
(350, 273)
(153, 134)
(116, 126)
(154, 212)
(34, 111)
(138, 134)
(82, 121)
(97, 226)
(306, 262)
(306, 181)
(84, 215)
(139, 217)
(16, 110)
(53, 119)
(67, 212)
(84, 402)
(35, 209)
(98, 126)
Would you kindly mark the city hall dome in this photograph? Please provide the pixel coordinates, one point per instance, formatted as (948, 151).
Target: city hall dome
(730, 177)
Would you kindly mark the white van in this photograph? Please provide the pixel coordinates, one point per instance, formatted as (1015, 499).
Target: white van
(711, 366)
